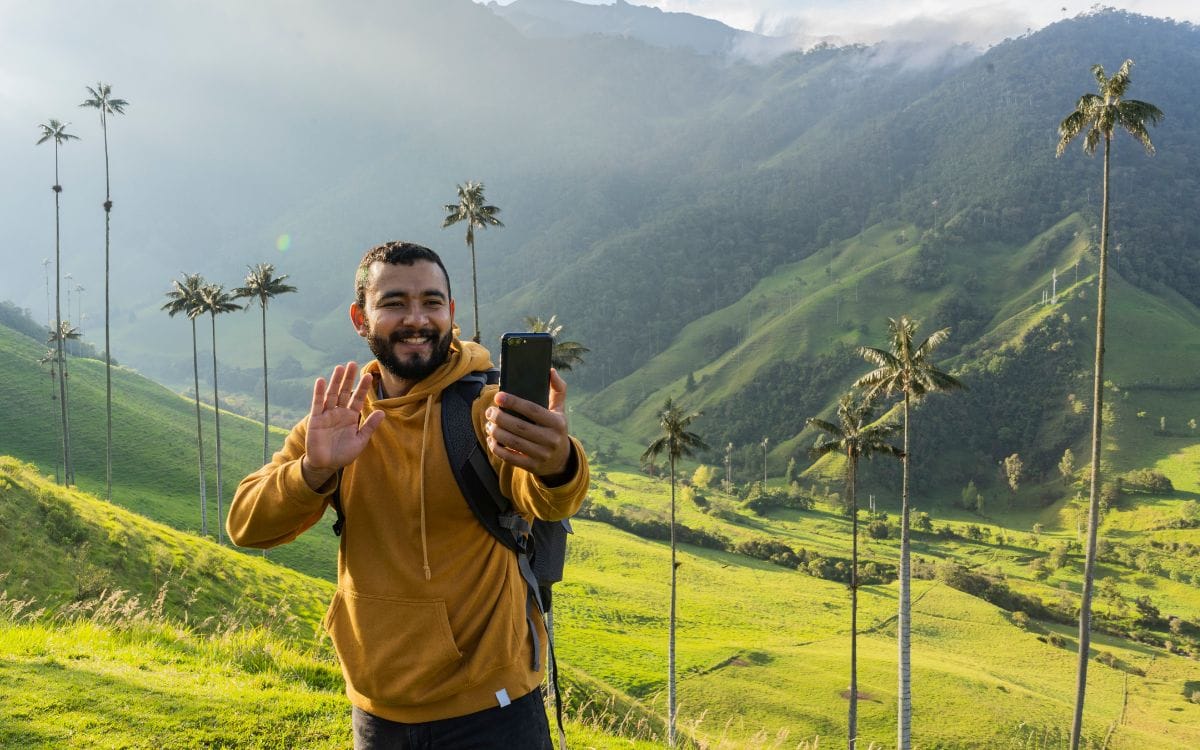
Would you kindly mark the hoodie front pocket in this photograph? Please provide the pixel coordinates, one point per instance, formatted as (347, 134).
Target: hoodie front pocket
(397, 652)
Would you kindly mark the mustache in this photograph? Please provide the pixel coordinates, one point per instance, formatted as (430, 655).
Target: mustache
(398, 336)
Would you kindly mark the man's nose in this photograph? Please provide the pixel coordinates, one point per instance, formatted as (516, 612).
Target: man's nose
(415, 316)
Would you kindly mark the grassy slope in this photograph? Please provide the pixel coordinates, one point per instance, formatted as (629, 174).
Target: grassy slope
(781, 653)
(154, 443)
(796, 313)
(229, 656)
(776, 638)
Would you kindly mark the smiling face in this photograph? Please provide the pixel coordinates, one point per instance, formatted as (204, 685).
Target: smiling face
(407, 318)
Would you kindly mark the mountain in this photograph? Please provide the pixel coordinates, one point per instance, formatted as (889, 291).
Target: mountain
(566, 19)
(648, 193)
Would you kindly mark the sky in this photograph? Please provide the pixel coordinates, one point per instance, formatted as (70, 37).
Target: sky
(979, 22)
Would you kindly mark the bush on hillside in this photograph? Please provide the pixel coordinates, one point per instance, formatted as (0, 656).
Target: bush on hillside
(762, 501)
(1147, 480)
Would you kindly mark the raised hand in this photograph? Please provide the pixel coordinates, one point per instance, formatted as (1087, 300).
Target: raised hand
(334, 437)
(541, 445)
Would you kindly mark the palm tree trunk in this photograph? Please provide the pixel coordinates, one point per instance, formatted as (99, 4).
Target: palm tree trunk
(62, 362)
(904, 620)
(107, 340)
(474, 290)
(217, 410)
(1089, 568)
(199, 434)
(266, 413)
(671, 635)
(851, 495)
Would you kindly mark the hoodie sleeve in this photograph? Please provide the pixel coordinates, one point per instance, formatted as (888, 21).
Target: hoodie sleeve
(274, 505)
(528, 493)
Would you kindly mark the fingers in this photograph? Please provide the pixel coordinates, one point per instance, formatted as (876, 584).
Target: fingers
(540, 446)
(339, 391)
(359, 396)
(318, 399)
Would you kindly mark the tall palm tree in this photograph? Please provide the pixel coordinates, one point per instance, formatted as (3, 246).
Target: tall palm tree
(262, 285)
(906, 369)
(215, 301)
(472, 209)
(1097, 117)
(62, 339)
(856, 437)
(53, 130)
(677, 442)
(565, 354)
(100, 98)
(184, 298)
(51, 358)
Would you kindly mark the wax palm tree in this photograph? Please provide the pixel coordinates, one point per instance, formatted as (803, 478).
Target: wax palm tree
(184, 298)
(61, 340)
(1097, 117)
(53, 130)
(855, 437)
(906, 369)
(565, 354)
(51, 358)
(677, 443)
(215, 301)
(100, 98)
(262, 285)
(472, 209)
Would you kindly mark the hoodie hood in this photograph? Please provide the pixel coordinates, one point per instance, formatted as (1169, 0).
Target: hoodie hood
(464, 357)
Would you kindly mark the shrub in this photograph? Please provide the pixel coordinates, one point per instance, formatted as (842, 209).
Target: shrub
(1147, 480)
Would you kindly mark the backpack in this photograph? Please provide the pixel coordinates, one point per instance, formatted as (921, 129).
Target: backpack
(540, 547)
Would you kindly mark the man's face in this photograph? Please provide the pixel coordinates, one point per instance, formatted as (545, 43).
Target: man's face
(407, 318)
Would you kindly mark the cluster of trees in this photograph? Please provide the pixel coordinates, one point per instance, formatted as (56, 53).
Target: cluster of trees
(193, 297)
(905, 369)
(55, 131)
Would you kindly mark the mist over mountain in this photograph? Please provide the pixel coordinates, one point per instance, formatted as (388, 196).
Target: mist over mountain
(565, 19)
(643, 186)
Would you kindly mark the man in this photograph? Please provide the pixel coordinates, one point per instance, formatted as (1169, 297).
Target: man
(429, 618)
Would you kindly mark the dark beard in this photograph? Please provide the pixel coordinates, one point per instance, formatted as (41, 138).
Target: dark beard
(414, 368)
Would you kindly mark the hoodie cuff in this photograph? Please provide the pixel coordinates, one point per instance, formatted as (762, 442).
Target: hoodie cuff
(298, 486)
(566, 475)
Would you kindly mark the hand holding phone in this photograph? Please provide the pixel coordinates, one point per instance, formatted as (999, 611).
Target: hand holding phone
(525, 367)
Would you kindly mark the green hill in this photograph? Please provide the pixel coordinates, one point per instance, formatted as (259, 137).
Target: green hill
(154, 443)
(762, 646)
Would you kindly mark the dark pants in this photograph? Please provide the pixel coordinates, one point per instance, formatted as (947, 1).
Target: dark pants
(521, 725)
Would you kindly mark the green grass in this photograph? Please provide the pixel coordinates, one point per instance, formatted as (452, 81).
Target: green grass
(154, 444)
(763, 650)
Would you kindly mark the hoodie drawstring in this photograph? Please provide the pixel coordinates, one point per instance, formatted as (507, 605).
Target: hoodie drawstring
(421, 486)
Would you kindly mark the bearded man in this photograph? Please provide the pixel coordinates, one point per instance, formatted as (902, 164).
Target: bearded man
(430, 619)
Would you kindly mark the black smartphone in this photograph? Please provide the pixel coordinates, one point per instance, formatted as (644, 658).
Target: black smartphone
(525, 366)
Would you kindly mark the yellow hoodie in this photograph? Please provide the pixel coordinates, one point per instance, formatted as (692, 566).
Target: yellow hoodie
(429, 618)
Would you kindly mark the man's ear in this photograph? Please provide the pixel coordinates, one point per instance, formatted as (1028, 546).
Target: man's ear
(358, 319)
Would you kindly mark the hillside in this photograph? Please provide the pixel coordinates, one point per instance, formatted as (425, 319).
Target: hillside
(154, 434)
(782, 644)
(145, 637)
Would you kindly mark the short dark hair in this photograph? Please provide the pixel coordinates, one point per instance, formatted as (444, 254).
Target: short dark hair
(393, 253)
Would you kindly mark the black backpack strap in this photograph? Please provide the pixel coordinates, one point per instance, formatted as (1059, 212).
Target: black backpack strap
(335, 500)
(481, 487)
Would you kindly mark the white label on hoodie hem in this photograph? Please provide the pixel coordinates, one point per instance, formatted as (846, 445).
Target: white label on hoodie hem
(502, 697)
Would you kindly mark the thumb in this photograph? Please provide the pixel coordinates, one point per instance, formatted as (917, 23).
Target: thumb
(558, 392)
(367, 428)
